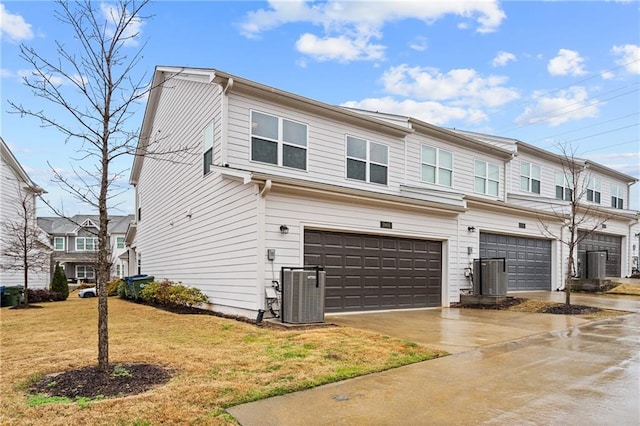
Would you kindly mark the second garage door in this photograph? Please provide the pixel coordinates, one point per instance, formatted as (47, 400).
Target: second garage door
(602, 242)
(528, 260)
(370, 272)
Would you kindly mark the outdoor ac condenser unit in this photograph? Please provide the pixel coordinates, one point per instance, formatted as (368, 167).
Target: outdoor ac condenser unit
(596, 265)
(490, 277)
(303, 296)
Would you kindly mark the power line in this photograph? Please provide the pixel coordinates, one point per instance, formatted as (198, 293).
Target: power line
(586, 127)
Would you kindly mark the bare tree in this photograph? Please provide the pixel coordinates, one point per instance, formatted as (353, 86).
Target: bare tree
(94, 83)
(580, 217)
(24, 248)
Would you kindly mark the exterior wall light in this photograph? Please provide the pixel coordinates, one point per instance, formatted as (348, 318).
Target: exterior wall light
(471, 229)
(284, 229)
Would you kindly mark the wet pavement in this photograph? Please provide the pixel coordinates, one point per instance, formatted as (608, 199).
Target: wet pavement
(507, 368)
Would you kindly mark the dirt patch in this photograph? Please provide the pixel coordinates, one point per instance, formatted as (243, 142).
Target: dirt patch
(88, 382)
(505, 304)
(534, 306)
(563, 309)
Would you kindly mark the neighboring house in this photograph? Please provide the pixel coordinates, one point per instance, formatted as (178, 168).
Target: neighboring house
(75, 244)
(395, 209)
(16, 186)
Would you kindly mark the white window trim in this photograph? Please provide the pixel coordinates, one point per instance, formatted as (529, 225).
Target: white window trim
(208, 140)
(123, 243)
(594, 185)
(566, 186)
(84, 239)
(280, 141)
(437, 165)
(367, 161)
(617, 192)
(63, 243)
(86, 269)
(486, 178)
(530, 178)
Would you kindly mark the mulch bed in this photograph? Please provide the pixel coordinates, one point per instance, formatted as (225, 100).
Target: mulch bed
(558, 308)
(505, 304)
(88, 382)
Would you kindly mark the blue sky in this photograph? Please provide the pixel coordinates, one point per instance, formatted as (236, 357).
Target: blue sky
(542, 72)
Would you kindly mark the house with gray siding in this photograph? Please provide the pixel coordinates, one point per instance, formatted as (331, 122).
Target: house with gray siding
(75, 244)
(393, 208)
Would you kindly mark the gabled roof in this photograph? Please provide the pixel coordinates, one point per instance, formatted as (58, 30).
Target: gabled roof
(69, 226)
(11, 160)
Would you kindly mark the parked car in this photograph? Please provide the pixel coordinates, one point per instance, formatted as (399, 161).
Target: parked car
(88, 292)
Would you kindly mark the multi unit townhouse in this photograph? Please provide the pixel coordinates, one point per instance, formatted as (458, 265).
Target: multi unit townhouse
(245, 179)
(75, 244)
(18, 204)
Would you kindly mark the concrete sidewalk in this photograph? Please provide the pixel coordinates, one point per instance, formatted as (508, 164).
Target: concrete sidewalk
(507, 368)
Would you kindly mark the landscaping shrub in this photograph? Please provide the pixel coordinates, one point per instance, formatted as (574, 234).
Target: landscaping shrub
(168, 293)
(59, 282)
(43, 295)
(112, 286)
(120, 290)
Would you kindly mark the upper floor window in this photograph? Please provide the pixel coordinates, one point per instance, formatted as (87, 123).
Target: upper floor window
(617, 196)
(437, 166)
(564, 189)
(120, 242)
(207, 149)
(86, 243)
(529, 177)
(278, 141)
(594, 190)
(367, 161)
(58, 243)
(486, 178)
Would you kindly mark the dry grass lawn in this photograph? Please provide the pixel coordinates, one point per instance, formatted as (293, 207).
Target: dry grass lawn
(629, 289)
(218, 362)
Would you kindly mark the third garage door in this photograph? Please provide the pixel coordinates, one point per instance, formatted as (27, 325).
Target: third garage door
(369, 272)
(528, 259)
(602, 242)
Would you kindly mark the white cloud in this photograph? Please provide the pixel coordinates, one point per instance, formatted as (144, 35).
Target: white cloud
(607, 75)
(352, 24)
(419, 43)
(342, 48)
(428, 111)
(134, 28)
(14, 26)
(502, 59)
(5, 73)
(567, 105)
(463, 87)
(568, 62)
(629, 57)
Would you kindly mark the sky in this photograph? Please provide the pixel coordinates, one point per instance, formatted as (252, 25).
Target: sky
(547, 73)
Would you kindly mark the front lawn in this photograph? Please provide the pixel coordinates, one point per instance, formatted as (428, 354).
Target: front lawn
(216, 362)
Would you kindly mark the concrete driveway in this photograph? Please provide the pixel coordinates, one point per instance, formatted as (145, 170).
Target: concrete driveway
(507, 368)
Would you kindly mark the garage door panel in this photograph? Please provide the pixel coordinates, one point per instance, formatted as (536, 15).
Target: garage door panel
(612, 244)
(368, 272)
(528, 259)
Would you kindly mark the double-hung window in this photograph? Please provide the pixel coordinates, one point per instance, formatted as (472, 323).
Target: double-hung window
(486, 178)
(594, 191)
(120, 242)
(437, 166)
(86, 243)
(207, 149)
(58, 243)
(278, 141)
(84, 272)
(564, 188)
(529, 177)
(617, 196)
(367, 161)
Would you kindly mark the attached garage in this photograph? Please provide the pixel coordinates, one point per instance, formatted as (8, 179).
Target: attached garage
(373, 272)
(602, 242)
(528, 260)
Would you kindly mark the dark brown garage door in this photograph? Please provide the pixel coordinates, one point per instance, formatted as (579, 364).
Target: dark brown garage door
(369, 272)
(609, 243)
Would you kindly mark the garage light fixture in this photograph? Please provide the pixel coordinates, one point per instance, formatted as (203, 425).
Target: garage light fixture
(471, 229)
(284, 229)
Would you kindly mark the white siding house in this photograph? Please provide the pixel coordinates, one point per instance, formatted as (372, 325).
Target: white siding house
(393, 208)
(16, 186)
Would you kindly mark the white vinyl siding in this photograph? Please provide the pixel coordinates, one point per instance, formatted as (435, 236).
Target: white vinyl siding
(486, 178)
(437, 166)
(530, 177)
(278, 141)
(367, 161)
(594, 190)
(617, 196)
(58, 243)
